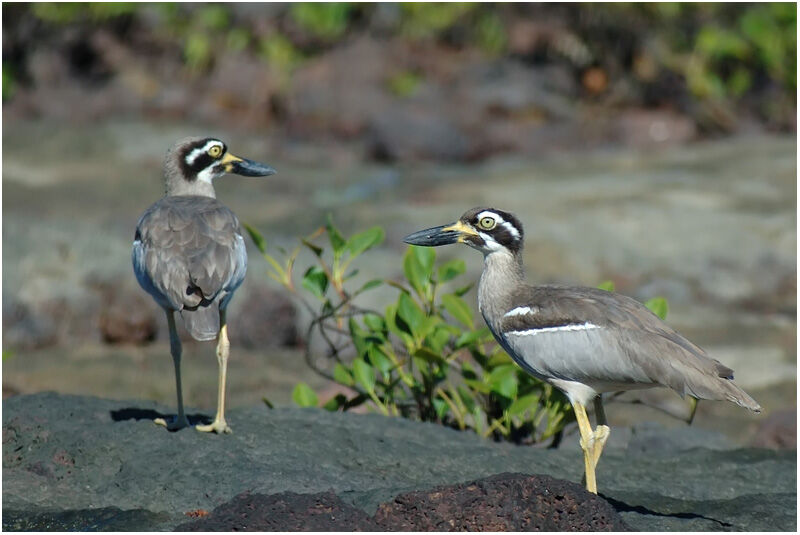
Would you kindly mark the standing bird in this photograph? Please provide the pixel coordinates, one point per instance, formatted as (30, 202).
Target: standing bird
(584, 341)
(189, 255)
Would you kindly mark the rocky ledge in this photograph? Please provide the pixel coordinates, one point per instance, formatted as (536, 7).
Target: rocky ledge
(81, 463)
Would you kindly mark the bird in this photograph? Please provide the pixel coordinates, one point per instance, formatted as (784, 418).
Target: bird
(189, 255)
(584, 341)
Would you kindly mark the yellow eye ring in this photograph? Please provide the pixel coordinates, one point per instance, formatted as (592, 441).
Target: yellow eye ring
(215, 151)
(487, 223)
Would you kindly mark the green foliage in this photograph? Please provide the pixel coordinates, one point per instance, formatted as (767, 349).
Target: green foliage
(421, 356)
(658, 306)
(404, 83)
(326, 21)
(9, 81)
(68, 12)
(304, 396)
(426, 19)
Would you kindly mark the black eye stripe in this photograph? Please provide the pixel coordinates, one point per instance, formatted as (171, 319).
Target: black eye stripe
(203, 161)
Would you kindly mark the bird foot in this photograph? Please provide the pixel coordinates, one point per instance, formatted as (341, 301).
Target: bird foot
(217, 426)
(173, 424)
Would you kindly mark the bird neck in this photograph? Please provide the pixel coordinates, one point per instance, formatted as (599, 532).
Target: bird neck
(183, 187)
(502, 275)
(176, 183)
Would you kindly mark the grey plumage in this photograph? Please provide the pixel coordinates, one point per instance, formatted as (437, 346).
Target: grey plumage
(189, 254)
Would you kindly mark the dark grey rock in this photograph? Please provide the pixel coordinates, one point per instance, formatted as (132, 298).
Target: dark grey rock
(505, 502)
(69, 453)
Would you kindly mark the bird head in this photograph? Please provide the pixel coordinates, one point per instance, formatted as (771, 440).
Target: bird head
(485, 229)
(200, 160)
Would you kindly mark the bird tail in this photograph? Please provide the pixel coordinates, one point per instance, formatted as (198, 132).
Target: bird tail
(740, 397)
(202, 322)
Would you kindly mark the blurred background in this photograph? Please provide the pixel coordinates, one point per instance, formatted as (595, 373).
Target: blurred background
(652, 145)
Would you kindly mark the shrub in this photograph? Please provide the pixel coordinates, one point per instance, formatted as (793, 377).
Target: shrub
(419, 357)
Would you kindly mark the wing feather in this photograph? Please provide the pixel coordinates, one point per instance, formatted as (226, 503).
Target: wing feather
(188, 252)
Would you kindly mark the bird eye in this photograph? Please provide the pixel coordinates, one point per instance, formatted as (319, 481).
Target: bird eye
(487, 223)
(215, 151)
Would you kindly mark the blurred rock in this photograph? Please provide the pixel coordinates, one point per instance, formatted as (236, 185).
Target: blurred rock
(339, 93)
(409, 134)
(653, 128)
(126, 317)
(266, 318)
(778, 431)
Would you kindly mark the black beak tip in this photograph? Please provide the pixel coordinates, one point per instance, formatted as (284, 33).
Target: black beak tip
(432, 237)
(251, 168)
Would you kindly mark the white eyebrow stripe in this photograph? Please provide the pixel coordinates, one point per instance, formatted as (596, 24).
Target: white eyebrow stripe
(192, 156)
(521, 311)
(511, 228)
(561, 328)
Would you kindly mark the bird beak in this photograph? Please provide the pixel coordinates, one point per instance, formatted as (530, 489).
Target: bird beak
(245, 167)
(442, 235)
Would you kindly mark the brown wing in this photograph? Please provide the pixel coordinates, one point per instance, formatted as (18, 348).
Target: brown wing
(189, 251)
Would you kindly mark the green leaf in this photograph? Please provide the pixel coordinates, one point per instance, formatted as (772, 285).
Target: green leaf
(358, 243)
(316, 249)
(458, 309)
(463, 290)
(470, 337)
(335, 403)
(315, 281)
(258, 239)
(451, 269)
(411, 313)
(659, 306)
(304, 396)
(478, 386)
(468, 398)
(358, 336)
(392, 325)
(426, 257)
(370, 285)
(607, 285)
(364, 374)
(374, 322)
(342, 375)
(522, 404)
(441, 408)
(380, 361)
(503, 380)
(418, 266)
(499, 358)
(336, 238)
(429, 356)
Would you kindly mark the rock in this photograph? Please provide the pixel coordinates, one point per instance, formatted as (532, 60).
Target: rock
(407, 133)
(286, 511)
(72, 457)
(266, 318)
(126, 317)
(778, 431)
(505, 502)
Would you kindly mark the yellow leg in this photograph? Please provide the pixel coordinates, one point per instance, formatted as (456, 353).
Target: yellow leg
(587, 445)
(602, 431)
(223, 348)
(180, 421)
